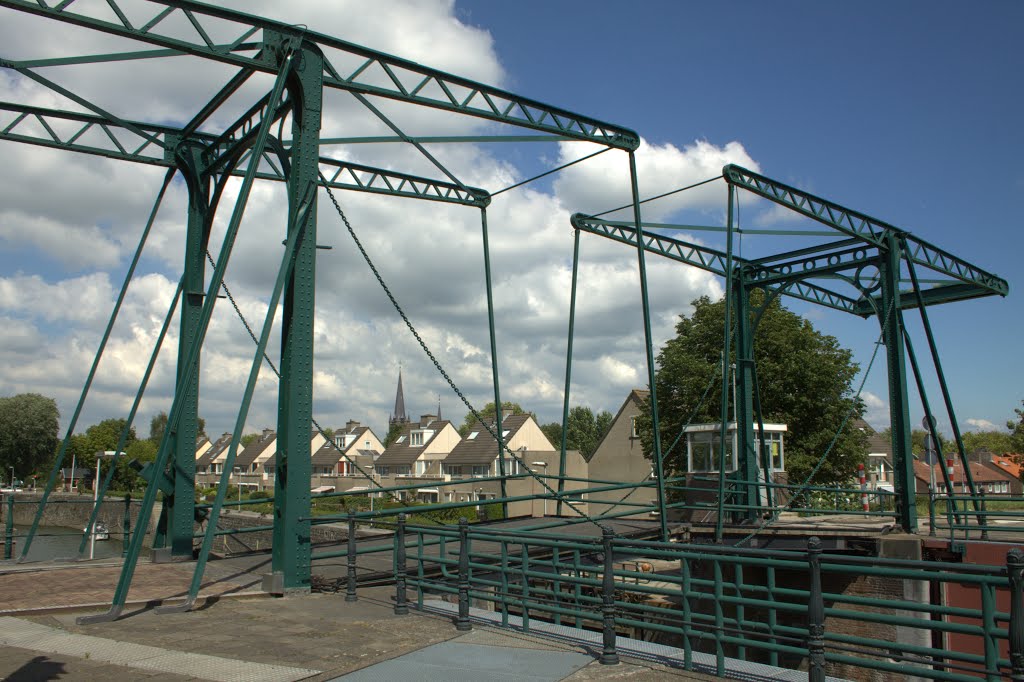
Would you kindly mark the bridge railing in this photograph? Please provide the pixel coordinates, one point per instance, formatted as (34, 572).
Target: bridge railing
(814, 610)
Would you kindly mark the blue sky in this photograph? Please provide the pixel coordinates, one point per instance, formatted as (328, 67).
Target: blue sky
(905, 111)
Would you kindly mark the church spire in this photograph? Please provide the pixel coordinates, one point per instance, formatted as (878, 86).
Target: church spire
(399, 416)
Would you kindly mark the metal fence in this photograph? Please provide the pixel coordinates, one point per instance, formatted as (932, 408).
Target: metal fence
(806, 609)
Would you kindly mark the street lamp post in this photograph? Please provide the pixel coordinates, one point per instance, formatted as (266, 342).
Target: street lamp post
(12, 479)
(95, 500)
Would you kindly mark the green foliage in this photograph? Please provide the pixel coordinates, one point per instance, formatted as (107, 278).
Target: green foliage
(393, 432)
(158, 424)
(585, 430)
(1017, 431)
(142, 450)
(553, 432)
(805, 381)
(488, 412)
(28, 434)
(247, 440)
(996, 442)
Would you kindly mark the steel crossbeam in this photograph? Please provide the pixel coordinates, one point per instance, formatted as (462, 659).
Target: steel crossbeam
(712, 260)
(870, 230)
(90, 134)
(346, 66)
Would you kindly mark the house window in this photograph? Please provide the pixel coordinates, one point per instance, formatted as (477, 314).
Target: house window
(416, 438)
(634, 431)
(480, 471)
(472, 436)
(421, 467)
(704, 448)
(773, 446)
(513, 467)
(345, 468)
(400, 439)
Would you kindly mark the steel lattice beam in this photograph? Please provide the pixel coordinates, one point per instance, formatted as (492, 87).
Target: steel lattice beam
(41, 127)
(712, 260)
(871, 230)
(369, 73)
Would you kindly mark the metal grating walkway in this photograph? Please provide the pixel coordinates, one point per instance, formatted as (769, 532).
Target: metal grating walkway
(459, 662)
(660, 653)
(25, 634)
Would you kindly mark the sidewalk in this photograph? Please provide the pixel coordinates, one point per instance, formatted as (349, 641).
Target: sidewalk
(314, 637)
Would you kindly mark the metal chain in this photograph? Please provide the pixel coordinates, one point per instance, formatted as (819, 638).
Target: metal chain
(319, 428)
(437, 364)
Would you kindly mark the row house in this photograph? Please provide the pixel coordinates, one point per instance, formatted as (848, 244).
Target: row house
(417, 453)
(345, 460)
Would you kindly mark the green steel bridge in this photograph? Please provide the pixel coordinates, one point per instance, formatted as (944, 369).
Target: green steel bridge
(849, 262)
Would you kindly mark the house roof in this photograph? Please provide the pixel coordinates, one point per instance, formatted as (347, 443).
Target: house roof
(217, 448)
(326, 456)
(1007, 464)
(249, 455)
(877, 443)
(979, 473)
(402, 453)
(483, 448)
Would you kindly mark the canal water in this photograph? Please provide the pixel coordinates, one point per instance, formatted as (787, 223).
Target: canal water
(56, 542)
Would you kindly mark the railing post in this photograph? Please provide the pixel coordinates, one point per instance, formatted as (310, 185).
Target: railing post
(1015, 569)
(9, 525)
(401, 606)
(462, 623)
(931, 511)
(608, 655)
(982, 516)
(126, 524)
(350, 557)
(815, 615)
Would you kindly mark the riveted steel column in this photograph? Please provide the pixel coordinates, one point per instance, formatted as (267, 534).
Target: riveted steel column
(462, 622)
(899, 406)
(815, 615)
(291, 552)
(656, 454)
(173, 539)
(609, 656)
(568, 370)
(744, 401)
(1015, 569)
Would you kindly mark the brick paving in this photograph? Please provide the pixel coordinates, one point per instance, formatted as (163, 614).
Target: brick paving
(321, 633)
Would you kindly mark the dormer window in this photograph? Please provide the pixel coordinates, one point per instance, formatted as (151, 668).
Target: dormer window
(416, 438)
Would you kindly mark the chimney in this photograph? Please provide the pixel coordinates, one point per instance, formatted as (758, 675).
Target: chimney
(426, 419)
(506, 412)
(267, 433)
(351, 425)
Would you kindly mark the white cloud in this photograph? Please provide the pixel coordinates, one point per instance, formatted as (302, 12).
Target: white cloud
(982, 424)
(77, 238)
(876, 410)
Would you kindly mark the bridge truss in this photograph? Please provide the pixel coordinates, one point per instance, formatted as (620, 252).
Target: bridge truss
(869, 269)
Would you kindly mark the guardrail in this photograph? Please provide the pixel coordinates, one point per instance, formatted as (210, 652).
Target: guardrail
(793, 609)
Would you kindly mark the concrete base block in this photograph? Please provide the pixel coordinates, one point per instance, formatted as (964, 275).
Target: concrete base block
(273, 583)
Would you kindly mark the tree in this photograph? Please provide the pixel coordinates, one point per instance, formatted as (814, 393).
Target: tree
(158, 424)
(996, 442)
(1017, 431)
(805, 381)
(553, 432)
(584, 432)
(28, 434)
(393, 432)
(488, 413)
